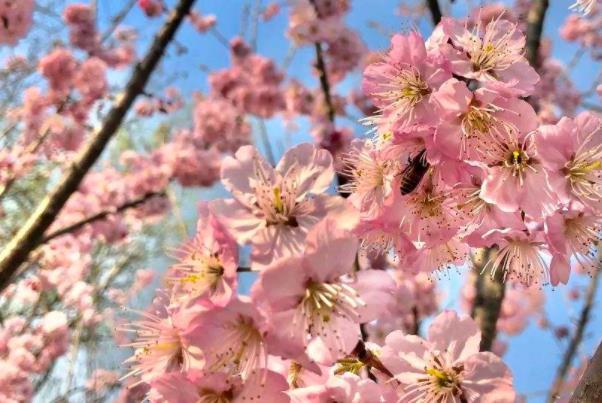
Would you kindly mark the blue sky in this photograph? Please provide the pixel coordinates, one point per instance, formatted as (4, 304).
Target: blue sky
(534, 355)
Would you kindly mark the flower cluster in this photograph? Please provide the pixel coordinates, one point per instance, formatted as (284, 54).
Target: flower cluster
(458, 160)
(16, 18)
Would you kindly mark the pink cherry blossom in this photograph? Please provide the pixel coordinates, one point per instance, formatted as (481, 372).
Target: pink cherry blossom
(196, 387)
(515, 174)
(476, 116)
(162, 345)
(152, 8)
(90, 80)
(571, 151)
(317, 300)
(202, 23)
(401, 85)
(521, 257)
(232, 339)
(59, 68)
(447, 366)
(347, 388)
(371, 177)
(208, 263)
(573, 234)
(273, 209)
(17, 19)
(82, 28)
(493, 52)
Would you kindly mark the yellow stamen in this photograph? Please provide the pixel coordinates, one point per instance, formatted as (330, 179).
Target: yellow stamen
(278, 205)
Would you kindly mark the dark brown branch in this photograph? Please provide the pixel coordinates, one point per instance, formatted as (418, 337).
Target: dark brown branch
(30, 235)
(323, 74)
(589, 389)
(101, 215)
(571, 350)
(243, 269)
(435, 10)
(489, 296)
(535, 22)
(324, 83)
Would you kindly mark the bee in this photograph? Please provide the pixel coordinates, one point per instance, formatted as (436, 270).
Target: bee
(412, 174)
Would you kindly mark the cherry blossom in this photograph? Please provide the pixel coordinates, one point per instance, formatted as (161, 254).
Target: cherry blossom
(447, 366)
(274, 208)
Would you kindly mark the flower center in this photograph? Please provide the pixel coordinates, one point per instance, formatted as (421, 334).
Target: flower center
(210, 396)
(200, 272)
(441, 383)
(584, 173)
(411, 88)
(242, 350)
(278, 202)
(522, 260)
(323, 300)
(493, 50)
(294, 375)
(441, 378)
(477, 121)
(582, 234)
(350, 364)
(157, 345)
(367, 173)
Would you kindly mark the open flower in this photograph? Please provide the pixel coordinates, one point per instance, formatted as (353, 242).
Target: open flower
(571, 152)
(345, 388)
(273, 209)
(232, 339)
(468, 119)
(576, 234)
(428, 214)
(490, 53)
(447, 367)
(208, 263)
(162, 344)
(196, 387)
(401, 85)
(317, 301)
(520, 256)
(515, 176)
(371, 177)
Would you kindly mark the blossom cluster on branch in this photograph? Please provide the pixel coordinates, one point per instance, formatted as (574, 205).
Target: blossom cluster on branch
(457, 161)
(479, 155)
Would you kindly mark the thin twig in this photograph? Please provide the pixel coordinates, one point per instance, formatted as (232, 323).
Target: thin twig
(118, 19)
(571, 350)
(101, 216)
(263, 132)
(324, 83)
(220, 38)
(29, 236)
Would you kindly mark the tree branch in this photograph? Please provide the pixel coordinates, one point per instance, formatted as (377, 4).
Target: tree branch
(101, 215)
(30, 235)
(589, 389)
(435, 10)
(490, 290)
(569, 354)
(323, 74)
(535, 21)
(118, 19)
